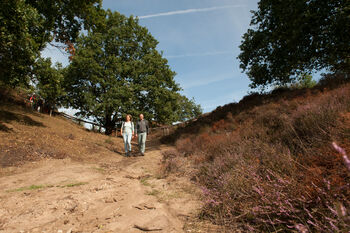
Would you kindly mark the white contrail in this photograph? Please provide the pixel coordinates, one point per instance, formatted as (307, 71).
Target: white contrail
(199, 54)
(188, 11)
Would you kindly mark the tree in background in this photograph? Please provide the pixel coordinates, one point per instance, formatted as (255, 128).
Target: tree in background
(117, 70)
(304, 81)
(49, 82)
(26, 26)
(291, 37)
(188, 109)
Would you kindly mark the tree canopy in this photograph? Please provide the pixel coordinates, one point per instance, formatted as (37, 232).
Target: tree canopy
(27, 25)
(18, 48)
(117, 70)
(291, 37)
(49, 81)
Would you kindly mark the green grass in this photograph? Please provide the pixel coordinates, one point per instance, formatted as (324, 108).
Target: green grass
(99, 169)
(32, 187)
(73, 185)
(109, 141)
(144, 181)
(154, 192)
(36, 187)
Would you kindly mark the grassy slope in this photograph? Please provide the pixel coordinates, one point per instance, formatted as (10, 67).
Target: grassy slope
(30, 136)
(266, 163)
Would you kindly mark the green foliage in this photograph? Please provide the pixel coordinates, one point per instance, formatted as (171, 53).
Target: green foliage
(291, 37)
(188, 109)
(49, 81)
(18, 48)
(63, 20)
(117, 70)
(304, 80)
(27, 26)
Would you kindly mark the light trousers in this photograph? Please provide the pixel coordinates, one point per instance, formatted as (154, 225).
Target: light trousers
(127, 142)
(142, 142)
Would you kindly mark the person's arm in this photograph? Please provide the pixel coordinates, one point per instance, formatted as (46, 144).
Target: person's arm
(132, 128)
(147, 127)
(137, 125)
(121, 129)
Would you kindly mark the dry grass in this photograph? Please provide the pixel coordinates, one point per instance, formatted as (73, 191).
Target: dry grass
(271, 167)
(30, 136)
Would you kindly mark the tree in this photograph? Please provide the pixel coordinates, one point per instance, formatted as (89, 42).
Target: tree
(304, 81)
(117, 70)
(26, 26)
(188, 109)
(291, 37)
(63, 20)
(49, 81)
(18, 48)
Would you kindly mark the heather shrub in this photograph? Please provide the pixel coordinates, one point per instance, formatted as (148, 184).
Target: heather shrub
(185, 146)
(271, 167)
(173, 162)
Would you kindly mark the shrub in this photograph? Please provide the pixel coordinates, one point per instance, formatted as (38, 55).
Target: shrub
(271, 167)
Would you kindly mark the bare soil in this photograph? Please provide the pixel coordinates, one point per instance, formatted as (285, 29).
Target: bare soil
(57, 177)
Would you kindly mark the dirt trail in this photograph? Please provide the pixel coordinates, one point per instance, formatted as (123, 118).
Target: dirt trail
(114, 194)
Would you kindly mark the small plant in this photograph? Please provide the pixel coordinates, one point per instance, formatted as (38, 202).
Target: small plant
(154, 192)
(109, 141)
(144, 181)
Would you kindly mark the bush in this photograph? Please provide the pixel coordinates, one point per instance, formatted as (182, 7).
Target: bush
(271, 167)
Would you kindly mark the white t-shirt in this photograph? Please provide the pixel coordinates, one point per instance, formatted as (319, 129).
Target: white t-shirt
(128, 128)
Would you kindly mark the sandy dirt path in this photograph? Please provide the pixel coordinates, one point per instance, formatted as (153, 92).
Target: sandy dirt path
(117, 194)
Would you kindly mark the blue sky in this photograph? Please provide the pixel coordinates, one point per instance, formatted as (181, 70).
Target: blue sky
(200, 39)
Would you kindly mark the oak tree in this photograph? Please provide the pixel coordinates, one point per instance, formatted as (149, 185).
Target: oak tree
(292, 37)
(26, 26)
(117, 70)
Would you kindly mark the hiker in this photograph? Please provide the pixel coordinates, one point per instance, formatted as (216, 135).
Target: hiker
(142, 131)
(32, 101)
(127, 131)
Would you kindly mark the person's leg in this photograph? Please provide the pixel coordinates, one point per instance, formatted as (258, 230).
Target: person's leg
(125, 139)
(129, 141)
(139, 141)
(143, 142)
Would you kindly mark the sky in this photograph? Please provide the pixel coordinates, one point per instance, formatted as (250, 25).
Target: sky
(200, 39)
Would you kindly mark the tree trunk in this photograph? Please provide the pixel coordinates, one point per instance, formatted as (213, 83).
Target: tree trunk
(109, 128)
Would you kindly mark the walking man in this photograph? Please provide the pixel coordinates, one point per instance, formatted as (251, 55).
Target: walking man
(142, 131)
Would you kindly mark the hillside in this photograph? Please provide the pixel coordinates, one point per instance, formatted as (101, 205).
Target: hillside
(267, 164)
(56, 176)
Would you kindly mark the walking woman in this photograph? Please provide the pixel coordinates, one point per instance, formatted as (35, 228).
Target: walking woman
(127, 130)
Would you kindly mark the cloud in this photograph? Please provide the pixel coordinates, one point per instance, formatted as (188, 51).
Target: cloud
(199, 54)
(204, 81)
(189, 11)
